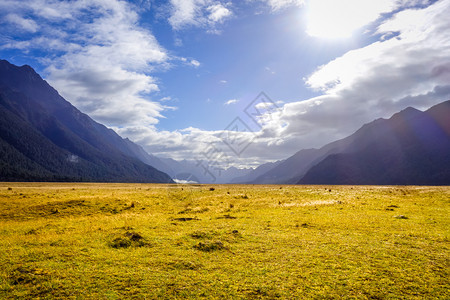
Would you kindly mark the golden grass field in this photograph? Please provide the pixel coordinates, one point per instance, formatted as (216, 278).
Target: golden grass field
(146, 241)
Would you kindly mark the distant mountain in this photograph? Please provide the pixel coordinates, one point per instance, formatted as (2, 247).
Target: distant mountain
(188, 170)
(44, 138)
(255, 174)
(412, 147)
(289, 170)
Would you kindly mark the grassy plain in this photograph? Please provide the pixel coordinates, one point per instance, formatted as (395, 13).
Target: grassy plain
(116, 241)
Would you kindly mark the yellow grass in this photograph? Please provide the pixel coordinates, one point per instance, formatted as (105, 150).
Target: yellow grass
(143, 241)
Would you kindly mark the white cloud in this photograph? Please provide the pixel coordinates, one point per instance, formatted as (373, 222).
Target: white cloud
(265, 105)
(198, 13)
(190, 62)
(270, 70)
(178, 42)
(25, 24)
(395, 63)
(179, 181)
(203, 145)
(336, 19)
(54, 10)
(277, 5)
(165, 99)
(331, 18)
(184, 13)
(110, 95)
(232, 101)
(280, 4)
(218, 12)
(195, 63)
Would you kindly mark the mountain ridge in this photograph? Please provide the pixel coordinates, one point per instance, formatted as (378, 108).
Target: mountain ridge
(307, 166)
(408, 148)
(82, 149)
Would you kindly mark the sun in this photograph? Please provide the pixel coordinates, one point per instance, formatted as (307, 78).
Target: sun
(340, 19)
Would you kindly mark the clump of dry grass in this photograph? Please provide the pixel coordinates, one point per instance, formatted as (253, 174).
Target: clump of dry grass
(210, 246)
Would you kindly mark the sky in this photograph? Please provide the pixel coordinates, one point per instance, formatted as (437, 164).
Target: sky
(234, 83)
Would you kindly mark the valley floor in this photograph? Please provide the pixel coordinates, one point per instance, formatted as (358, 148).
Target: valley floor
(144, 241)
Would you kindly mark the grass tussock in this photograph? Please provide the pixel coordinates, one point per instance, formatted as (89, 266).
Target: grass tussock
(210, 246)
(129, 239)
(139, 241)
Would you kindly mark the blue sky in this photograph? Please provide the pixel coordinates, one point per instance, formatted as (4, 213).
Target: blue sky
(266, 52)
(173, 75)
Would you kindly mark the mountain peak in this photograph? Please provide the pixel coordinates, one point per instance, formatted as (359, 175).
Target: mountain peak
(4, 64)
(410, 110)
(28, 68)
(407, 113)
(23, 77)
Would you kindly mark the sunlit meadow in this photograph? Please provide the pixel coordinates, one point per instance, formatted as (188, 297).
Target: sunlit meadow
(111, 241)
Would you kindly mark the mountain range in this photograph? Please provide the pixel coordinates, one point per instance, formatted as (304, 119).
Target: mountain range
(410, 148)
(45, 138)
